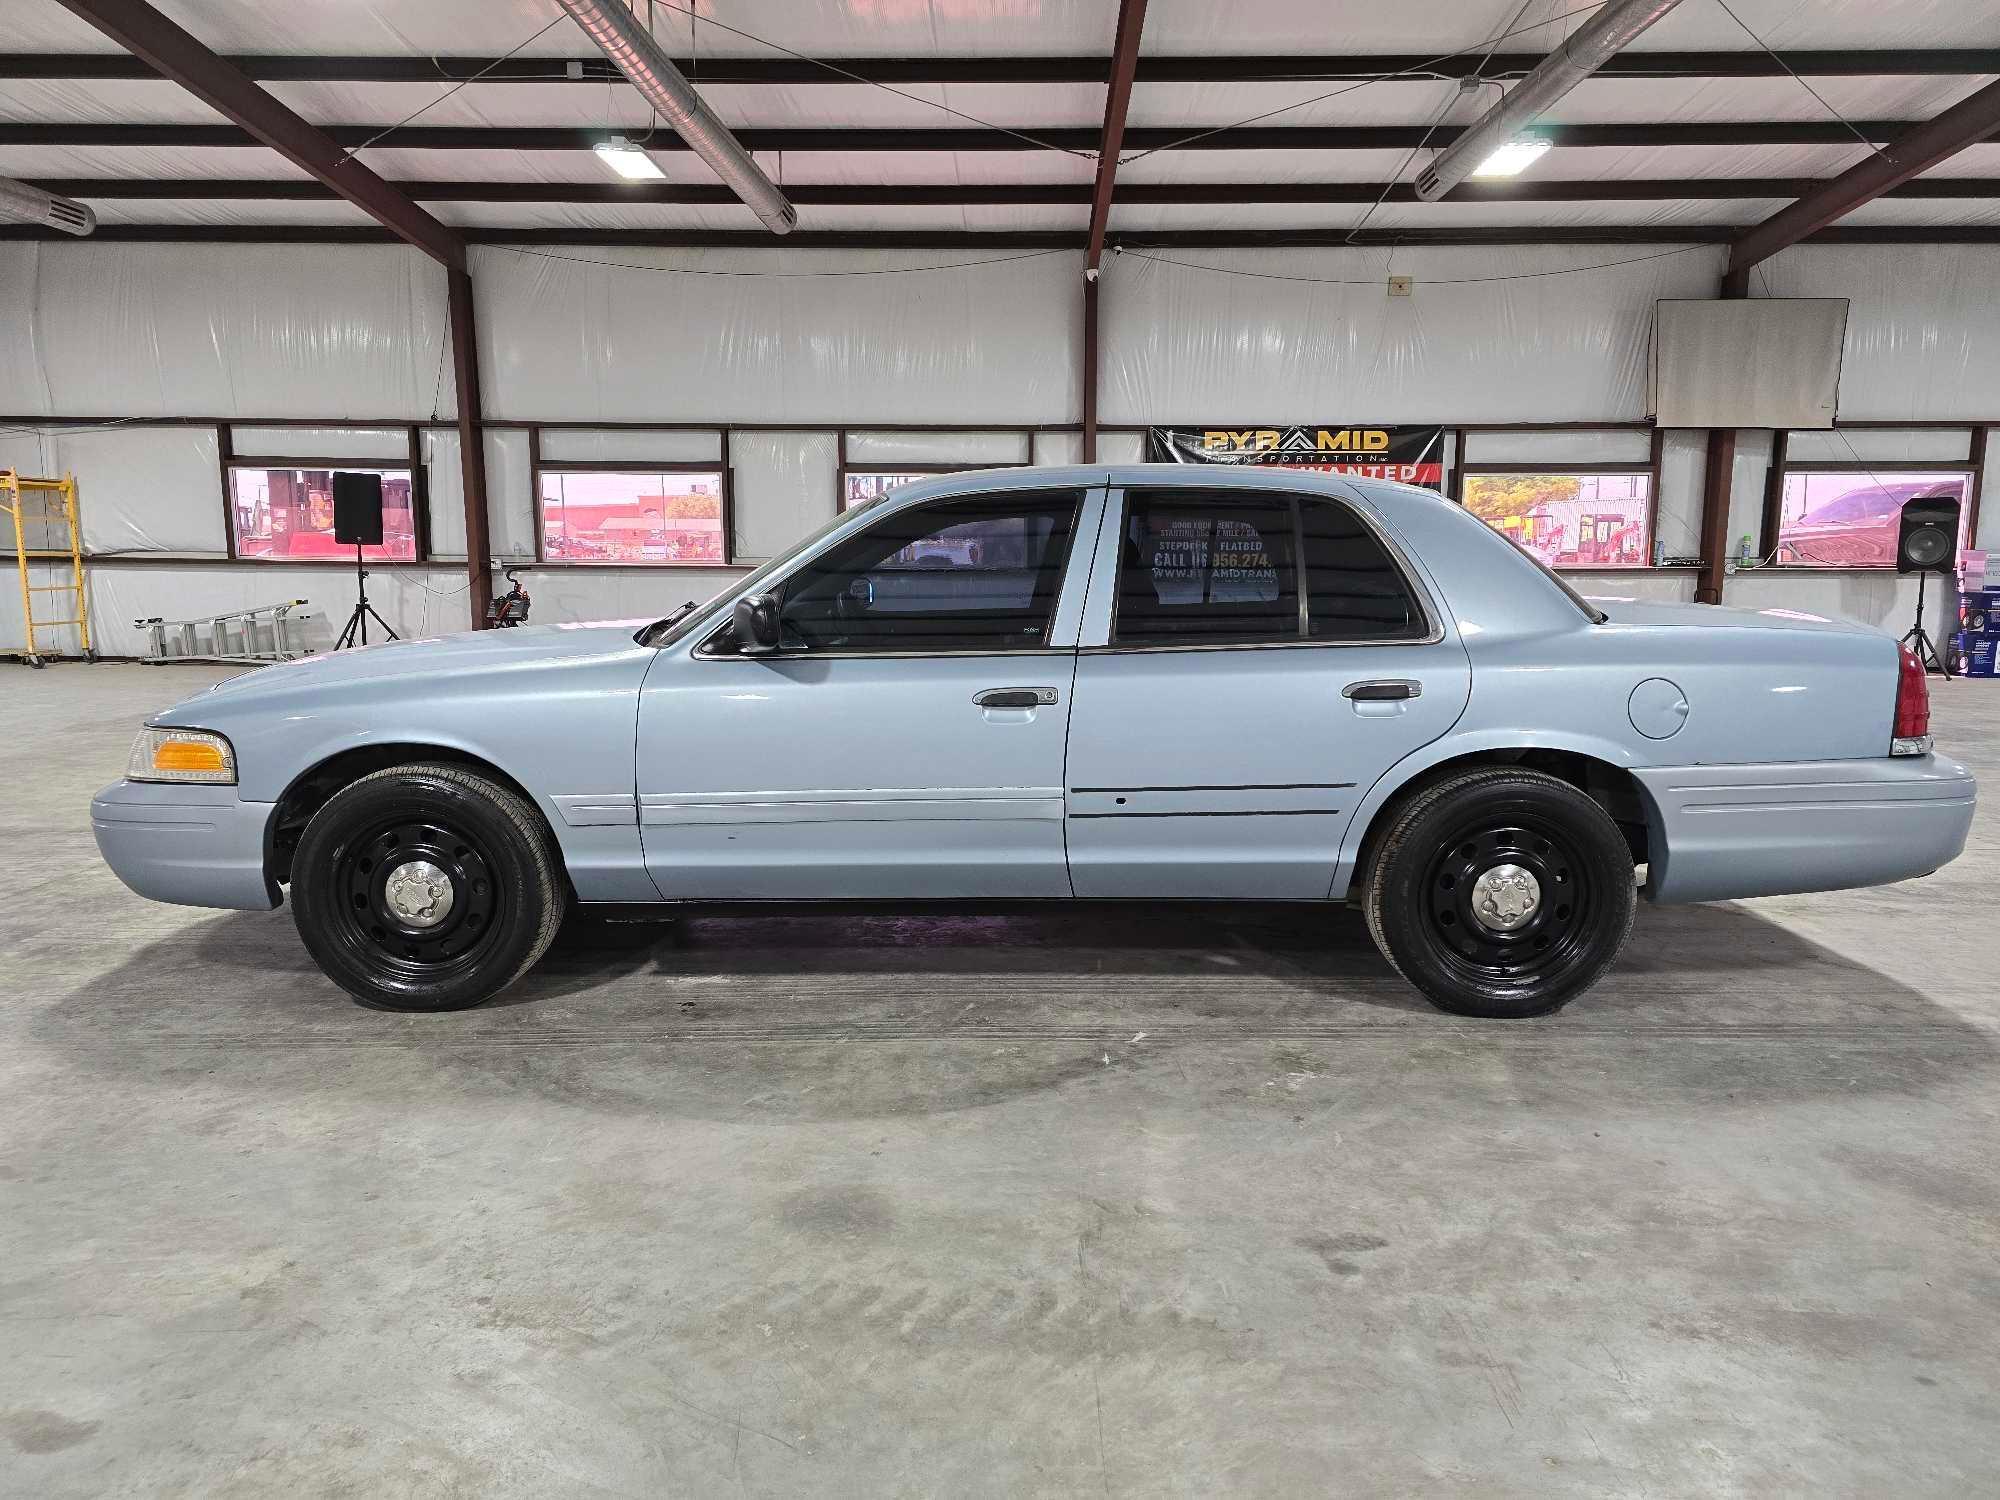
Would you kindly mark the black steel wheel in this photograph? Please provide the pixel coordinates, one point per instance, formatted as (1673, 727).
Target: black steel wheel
(1501, 893)
(425, 887)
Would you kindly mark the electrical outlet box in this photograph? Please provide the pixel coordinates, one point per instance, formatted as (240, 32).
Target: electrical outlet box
(1399, 286)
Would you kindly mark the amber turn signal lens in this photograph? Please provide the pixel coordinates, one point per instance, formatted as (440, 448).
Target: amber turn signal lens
(181, 756)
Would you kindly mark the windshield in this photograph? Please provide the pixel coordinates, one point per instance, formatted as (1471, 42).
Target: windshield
(660, 633)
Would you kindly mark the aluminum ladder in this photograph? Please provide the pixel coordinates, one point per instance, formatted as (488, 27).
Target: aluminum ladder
(49, 504)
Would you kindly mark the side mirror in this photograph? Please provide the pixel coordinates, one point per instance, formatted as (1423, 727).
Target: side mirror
(756, 624)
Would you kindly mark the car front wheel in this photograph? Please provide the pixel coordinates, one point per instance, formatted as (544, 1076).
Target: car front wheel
(425, 887)
(1501, 893)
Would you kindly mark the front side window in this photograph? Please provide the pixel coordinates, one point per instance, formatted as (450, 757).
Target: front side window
(284, 515)
(1220, 569)
(974, 575)
(662, 517)
(1569, 520)
(1852, 518)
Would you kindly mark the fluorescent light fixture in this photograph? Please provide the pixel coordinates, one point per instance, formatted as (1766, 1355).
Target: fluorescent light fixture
(1510, 160)
(627, 160)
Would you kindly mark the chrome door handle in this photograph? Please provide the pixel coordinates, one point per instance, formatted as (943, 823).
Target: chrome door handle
(1016, 697)
(1383, 690)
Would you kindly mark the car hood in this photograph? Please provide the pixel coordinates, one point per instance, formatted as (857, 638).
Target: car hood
(470, 651)
(1646, 612)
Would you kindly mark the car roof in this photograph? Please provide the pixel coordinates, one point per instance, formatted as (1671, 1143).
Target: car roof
(1193, 476)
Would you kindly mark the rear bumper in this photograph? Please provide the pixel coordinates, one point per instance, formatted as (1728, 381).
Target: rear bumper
(1768, 830)
(192, 845)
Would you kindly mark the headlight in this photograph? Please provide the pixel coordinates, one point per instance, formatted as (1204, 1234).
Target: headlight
(181, 755)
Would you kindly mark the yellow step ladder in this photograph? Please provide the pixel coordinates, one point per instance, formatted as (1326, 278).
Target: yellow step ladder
(50, 505)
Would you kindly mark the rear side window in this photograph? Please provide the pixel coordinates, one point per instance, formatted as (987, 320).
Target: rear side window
(1226, 569)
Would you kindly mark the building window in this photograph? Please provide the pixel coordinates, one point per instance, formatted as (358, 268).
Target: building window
(286, 514)
(1568, 519)
(1850, 518)
(654, 517)
(859, 486)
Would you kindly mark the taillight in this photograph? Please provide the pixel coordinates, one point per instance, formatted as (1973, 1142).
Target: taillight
(1912, 732)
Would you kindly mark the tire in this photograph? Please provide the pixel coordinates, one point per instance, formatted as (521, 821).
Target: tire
(1546, 939)
(491, 868)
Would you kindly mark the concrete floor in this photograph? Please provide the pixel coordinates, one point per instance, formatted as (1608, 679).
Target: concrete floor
(1186, 1206)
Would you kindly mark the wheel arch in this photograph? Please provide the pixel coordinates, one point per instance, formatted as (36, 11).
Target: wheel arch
(313, 787)
(1601, 769)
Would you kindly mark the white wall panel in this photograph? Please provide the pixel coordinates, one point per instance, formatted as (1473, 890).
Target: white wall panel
(972, 449)
(784, 486)
(388, 445)
(651, 445)
(1184, 344)
(1923, 328)
(416, 601)
(1060, 447)
(1608, 446)
(1121, 447)
(510, 505)
(1677, 522)
(578, 339)
(1878, 445)
(242, 330)
(139, 489)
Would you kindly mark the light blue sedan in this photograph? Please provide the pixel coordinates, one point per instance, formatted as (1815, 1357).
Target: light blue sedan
(1063, 684)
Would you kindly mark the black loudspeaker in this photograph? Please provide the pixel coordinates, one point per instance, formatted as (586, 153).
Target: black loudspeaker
(357, 509)
(1928, 537)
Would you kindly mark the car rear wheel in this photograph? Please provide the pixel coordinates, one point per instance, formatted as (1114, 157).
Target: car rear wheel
(425, 887)
(1501, 893)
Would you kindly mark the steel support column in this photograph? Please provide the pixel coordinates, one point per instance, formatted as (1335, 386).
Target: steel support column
(471, 442)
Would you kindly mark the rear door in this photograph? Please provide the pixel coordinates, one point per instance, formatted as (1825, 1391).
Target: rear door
(1252, 661)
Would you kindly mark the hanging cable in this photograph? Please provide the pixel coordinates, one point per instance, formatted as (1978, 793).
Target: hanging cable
(1423, 69)
(392, 129)
(1800, 81)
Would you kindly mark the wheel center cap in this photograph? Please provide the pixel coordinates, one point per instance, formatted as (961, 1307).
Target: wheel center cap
(1504, 897)
(419, 893)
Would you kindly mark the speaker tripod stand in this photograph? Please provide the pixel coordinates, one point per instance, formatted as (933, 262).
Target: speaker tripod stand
(1918, 639)
(357, 623)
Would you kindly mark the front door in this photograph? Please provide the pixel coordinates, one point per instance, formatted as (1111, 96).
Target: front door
(907, 739)
(1258, 664)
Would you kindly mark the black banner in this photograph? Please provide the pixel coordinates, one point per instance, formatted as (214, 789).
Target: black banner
(1409, 455)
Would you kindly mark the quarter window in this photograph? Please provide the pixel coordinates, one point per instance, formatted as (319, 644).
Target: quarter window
(1222, 569)
(972, 575)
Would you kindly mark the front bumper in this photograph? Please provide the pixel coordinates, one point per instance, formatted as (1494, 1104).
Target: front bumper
(1720, 832)
(192, 845)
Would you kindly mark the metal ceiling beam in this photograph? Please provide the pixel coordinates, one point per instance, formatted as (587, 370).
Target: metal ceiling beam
(1111, 141)
(949, 194)
(174, 54)
(1277, 67)
(1968, 122)
(1034, 239)
(1069, 138)
(1117, 99)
